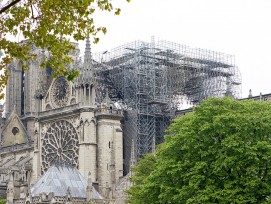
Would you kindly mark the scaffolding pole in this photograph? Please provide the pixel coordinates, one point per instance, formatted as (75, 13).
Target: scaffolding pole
(150, 79)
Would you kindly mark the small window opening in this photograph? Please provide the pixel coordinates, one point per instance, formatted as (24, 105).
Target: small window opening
(15, 130)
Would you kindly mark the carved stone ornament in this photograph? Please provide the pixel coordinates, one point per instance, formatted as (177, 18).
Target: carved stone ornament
(60, 92)
(60, 143)
(45, 127)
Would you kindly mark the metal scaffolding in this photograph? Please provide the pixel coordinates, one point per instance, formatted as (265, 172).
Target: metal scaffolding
(150, 80)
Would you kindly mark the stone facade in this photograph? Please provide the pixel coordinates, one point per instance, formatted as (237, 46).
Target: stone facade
(50, 120)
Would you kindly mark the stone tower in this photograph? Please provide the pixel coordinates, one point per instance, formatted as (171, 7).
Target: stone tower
(85, 91)
(23, 87)
(15, 89)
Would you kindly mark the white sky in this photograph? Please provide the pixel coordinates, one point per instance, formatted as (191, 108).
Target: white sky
(238, 27)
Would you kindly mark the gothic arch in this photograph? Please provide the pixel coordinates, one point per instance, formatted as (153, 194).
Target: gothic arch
(73, 101)
(48, 107)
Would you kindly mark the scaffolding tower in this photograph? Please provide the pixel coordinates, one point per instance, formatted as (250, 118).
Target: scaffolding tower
(150, 81)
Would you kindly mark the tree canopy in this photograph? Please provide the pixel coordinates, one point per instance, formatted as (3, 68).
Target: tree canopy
(220, 153)
(47, 24)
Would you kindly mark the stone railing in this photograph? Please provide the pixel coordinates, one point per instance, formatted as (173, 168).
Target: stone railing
(15, 147)
(118, 112)
(59, 110)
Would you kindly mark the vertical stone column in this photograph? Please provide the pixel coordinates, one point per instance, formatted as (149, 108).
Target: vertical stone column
(88, 146)
(105, 135)
(93, 95)
(31, 85)
(89, 95)
(110, 149)
(10, 189)
(89, 190)
(36, 157)
(118, 150)
(14, 89)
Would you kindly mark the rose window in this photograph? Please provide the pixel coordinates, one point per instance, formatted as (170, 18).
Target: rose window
(60, 92)
(60, 143)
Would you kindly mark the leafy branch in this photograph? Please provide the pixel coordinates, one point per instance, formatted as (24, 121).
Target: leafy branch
(47, 25)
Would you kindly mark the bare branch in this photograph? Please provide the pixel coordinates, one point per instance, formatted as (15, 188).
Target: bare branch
(32, 10)
(8, 6)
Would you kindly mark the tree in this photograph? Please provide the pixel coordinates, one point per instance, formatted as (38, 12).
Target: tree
(47, 24)
(143, 169)
(220, 153)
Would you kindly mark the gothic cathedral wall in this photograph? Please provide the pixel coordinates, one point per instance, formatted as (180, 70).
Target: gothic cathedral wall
(110, 157)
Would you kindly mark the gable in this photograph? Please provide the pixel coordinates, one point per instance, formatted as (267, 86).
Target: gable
(13, 132)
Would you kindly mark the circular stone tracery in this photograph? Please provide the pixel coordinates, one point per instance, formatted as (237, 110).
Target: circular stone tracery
(60, 92)
(60, 143)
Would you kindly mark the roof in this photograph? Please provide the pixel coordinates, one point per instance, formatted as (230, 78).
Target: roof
(58, 179)
(11, 163)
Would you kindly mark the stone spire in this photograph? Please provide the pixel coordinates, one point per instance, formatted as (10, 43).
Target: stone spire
(250, 93)
(87, 67)
(107, 99)
(87, 57)
(107, 104)
(86, 82)
(86, 72)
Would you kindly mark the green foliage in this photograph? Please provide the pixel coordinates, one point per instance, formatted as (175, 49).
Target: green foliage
(47, 24)
(142, 170)
(2, 201)
(220, 153)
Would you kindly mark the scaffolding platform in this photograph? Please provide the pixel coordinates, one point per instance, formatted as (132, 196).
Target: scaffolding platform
(147, 78)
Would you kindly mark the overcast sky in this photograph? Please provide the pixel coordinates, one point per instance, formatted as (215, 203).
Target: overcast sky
(238, 27)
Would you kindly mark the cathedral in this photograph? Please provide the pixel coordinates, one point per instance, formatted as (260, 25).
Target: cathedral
(74, 142)
(55, 127)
